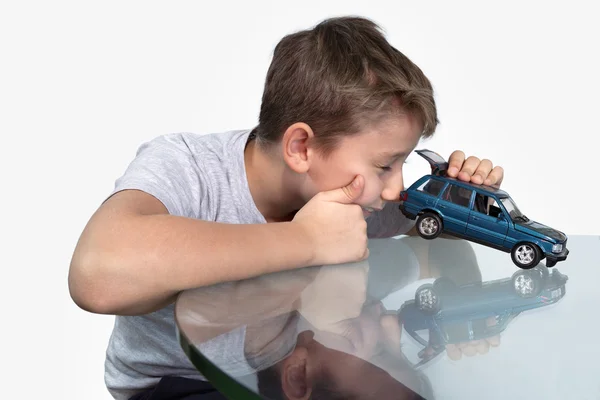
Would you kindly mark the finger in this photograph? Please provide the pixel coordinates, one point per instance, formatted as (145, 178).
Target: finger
(370, 329)
(391, 331)
(469, 350)
(494, 341)
(495, 177)
(455, 163)
(347, 194)
(453, 352)
(482, 347)
(482, 171)
(468, 169)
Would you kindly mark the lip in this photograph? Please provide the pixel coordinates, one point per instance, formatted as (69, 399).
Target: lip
(369, 210)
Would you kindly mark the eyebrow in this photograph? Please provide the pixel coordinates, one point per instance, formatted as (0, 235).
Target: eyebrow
(391, 155)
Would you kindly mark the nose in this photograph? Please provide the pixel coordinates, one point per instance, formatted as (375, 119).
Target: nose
(393, 185)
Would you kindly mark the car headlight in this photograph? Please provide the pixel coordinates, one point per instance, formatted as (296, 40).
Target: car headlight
(557, 248)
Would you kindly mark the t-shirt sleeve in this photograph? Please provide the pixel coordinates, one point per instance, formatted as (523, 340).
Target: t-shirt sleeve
(166, 168)
(388, 222)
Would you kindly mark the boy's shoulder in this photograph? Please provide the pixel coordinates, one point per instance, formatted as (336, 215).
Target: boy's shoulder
(187, 171)
(201, 142)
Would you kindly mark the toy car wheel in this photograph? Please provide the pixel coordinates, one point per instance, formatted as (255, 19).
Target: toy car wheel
(444, 285)
(429, 225)
(526, 255)
(427, 299)
(527, 284)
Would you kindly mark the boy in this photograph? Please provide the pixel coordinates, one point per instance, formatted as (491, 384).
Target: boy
(341, 111)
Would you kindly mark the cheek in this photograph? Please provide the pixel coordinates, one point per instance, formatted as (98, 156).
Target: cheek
(372, 192)
(332, 174)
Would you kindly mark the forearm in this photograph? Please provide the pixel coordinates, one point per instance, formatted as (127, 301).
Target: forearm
(148, 259)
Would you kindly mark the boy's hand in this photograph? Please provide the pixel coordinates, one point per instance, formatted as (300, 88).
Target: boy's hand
(336, 227)
(472, 169)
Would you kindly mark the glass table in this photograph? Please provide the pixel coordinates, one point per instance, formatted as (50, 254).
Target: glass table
(443, 318)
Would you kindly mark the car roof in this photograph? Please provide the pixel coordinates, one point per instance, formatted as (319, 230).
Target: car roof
(439, 167)
(482, 188)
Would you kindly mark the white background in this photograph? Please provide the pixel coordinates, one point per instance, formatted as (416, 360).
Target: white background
(83, 84)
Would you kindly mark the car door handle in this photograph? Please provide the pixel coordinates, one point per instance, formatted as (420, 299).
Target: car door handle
(475, 218)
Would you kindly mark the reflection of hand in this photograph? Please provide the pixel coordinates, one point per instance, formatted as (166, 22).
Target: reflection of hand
(357, 336)
(469, 349)
(336, 294)
(391, 331)
(455, 351)
(334, 305)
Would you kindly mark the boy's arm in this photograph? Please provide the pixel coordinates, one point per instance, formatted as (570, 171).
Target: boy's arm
(134, 258)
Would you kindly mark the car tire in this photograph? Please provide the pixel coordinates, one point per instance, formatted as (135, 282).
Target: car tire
(429, 225)
(526, 255)
(427, 299)
(445, 285)
(527, 284)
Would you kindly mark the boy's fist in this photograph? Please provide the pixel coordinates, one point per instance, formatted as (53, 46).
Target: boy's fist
(335, 226)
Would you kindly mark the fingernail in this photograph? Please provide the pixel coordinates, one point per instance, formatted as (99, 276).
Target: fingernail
(355, 183)
(453, 170)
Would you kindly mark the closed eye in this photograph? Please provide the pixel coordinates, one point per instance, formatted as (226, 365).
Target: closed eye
(388, 167)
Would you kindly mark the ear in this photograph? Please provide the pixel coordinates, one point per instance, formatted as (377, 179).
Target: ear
(295, 145)
(295, 375)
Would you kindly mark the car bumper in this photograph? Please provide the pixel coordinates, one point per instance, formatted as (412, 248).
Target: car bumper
(552, 259)
(406, 213)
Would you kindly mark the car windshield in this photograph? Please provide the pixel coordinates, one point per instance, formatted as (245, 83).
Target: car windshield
(512, 208)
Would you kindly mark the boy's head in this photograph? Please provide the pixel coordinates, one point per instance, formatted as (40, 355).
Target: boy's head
(315, 372)
(331, 84)
(339, 77)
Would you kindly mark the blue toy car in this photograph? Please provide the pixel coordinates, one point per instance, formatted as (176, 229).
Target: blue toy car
(455, 314)
(479, 213)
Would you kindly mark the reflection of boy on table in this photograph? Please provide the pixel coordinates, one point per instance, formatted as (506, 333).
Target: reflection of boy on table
(322, 332)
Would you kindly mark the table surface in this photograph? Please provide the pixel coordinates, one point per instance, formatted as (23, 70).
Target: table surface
(445, 318)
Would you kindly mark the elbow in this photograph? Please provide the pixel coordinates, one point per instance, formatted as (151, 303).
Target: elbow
(88, 288)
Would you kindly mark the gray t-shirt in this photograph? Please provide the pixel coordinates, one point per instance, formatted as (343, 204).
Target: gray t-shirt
(202, 177)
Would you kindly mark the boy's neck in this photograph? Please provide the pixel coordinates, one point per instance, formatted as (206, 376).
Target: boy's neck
(271, 184)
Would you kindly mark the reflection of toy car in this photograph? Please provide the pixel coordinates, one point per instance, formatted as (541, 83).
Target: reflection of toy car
(456, 314)
(478, 213)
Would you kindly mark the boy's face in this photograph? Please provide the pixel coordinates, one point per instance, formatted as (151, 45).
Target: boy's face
(378, 154)
(346, 375)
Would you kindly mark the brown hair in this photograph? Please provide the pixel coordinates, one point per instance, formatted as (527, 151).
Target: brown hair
(338, 77)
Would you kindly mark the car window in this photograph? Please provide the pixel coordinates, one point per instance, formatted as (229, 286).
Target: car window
(486, 205)
(477, 328)
(494, 209)
(481, 203)
(431, 186)
(457, 195)
(511, 207)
